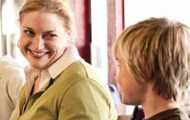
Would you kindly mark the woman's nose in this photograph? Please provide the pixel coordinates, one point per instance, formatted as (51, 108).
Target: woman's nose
(37, 43)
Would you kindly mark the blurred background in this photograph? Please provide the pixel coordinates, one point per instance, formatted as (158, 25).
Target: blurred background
(99, 22)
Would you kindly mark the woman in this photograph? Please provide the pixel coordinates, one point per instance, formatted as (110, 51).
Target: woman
(60, 85)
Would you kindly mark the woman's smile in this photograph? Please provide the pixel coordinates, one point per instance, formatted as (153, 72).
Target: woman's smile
(38, 53)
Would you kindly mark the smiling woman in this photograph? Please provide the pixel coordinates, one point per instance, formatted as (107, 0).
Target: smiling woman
(59, 83)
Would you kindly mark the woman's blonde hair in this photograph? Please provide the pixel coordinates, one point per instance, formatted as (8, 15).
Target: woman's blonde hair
(59, 7)
(157, 51)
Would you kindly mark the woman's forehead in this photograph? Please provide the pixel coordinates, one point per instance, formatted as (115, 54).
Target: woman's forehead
(42, 20)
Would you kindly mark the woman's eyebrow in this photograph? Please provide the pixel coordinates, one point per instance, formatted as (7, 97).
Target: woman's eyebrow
(49, 31)
(29, 28)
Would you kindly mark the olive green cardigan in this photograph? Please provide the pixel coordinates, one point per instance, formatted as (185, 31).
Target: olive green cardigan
(76, 94)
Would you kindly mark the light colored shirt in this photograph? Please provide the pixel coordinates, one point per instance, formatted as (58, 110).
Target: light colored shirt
(11, 80)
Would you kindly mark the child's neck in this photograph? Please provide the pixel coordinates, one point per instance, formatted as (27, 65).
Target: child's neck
(154, 104)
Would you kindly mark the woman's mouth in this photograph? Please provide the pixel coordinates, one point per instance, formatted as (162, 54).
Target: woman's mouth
(38, 53)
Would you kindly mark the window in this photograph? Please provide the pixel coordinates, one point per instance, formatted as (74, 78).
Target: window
(136, 10)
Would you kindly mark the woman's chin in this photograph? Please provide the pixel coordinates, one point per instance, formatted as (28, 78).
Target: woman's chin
(39, 66)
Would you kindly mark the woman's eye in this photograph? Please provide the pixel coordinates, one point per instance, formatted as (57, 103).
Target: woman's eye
(29, 33)
(49, 36)
(52, 35)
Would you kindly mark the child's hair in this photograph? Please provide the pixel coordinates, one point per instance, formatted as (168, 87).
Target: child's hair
(157, 51)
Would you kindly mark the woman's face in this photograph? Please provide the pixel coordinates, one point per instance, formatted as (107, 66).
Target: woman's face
(43, 38)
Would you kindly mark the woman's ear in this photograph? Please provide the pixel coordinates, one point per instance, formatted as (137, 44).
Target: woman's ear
(70, 36)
